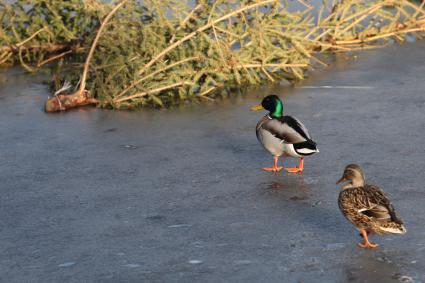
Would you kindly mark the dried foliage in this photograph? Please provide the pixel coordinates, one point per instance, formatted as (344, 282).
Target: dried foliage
(31, 31)
(160, 52)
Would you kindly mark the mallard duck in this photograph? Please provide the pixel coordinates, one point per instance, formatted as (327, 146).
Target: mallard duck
(367, 207)
(283, 135)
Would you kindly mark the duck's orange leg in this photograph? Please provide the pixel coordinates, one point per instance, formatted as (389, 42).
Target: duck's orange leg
(298, 169)
(275, 168)
(366, 244)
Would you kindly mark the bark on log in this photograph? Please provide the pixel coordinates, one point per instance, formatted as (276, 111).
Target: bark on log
(45, 47)
(65, 102)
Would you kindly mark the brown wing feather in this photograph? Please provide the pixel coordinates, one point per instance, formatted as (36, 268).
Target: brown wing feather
(378, 212)
(381, 205)
(351, 202)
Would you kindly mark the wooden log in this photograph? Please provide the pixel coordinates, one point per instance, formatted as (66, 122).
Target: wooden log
(65, 102)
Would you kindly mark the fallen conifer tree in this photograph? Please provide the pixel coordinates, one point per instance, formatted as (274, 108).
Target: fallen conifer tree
(160, 52)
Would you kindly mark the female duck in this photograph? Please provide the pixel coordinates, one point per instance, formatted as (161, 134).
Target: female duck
(367, 207)
(283, 135)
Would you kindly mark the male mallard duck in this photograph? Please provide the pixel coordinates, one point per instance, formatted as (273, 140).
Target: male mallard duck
(283, 135)
(367, 206)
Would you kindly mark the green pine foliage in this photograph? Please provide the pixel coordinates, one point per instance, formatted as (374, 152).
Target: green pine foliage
(163, 52)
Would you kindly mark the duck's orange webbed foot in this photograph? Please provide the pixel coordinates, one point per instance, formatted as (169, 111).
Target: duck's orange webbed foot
(366, 244)
(275, 168)
(294, 170)
(272, 169)
(298, 169)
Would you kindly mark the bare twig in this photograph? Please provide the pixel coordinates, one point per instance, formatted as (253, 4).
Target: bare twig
(29, 38)
(187, 19)
(380, 36)
(67, 85)
(202, 94)
(5, 56)
(141, 94)
(271, 65)
(93, 47)
(207, 26)
(359, 19)
(53, 58)
(21, 59)
(156, 73)
(48, 47)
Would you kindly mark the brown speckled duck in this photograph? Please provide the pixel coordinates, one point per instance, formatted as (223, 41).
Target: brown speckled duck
(367, 207)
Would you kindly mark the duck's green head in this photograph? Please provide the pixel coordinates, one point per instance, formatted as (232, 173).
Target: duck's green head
(273, 104)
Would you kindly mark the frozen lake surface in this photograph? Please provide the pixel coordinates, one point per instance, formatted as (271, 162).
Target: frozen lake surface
(177, 195)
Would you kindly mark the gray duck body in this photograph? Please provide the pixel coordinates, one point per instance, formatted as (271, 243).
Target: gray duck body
(285, 136)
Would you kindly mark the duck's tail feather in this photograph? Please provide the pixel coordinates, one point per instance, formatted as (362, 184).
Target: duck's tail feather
(393, 215)
(394, 228)
(306, 148)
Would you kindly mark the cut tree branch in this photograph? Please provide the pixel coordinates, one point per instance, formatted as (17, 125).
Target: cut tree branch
(141, 94)
(93, 47)
(80, 97)
(201, 29)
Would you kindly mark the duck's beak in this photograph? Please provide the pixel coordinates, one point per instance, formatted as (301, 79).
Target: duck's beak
(257, 108)
(342, 180)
